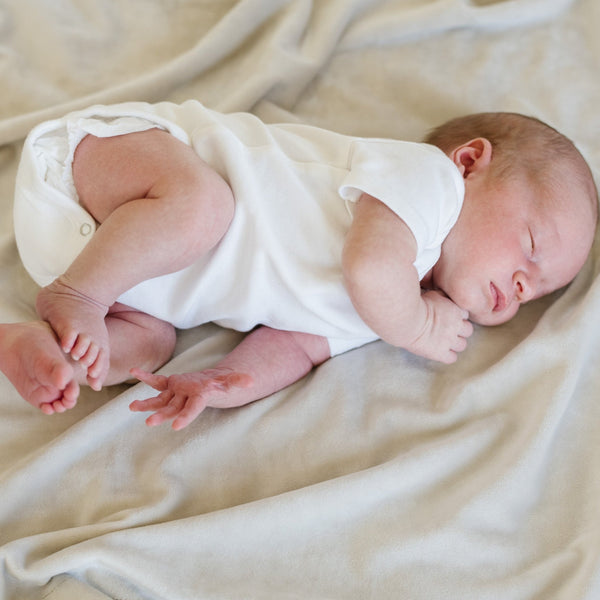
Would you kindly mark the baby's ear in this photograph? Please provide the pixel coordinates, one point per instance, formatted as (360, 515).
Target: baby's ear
(472, 156)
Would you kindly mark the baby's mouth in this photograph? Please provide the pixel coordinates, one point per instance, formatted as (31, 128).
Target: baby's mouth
(498, 298)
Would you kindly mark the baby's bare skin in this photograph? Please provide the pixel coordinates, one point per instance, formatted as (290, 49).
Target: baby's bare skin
(33, 361)
(160, 184)
(49, 379)
(184, 396)
(78, 322)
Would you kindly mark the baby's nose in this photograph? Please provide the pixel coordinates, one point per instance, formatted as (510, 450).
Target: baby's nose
(524, 290)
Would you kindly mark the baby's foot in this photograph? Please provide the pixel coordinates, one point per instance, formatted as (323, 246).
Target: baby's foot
(78, 321)
(34, 363)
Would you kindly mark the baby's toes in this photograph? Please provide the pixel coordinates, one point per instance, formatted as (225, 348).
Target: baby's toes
(70, 395)
(95, 383)
(47, 408)
(84, 350)
(59, 407)
(98, 369)
(91, 356)
(67, 337)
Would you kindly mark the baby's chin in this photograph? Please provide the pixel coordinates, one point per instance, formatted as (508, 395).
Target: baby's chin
(491, 319)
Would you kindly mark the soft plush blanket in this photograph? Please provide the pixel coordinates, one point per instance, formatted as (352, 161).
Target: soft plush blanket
(379, 475)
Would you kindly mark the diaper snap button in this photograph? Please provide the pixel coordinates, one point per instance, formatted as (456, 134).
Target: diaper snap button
(85, 229)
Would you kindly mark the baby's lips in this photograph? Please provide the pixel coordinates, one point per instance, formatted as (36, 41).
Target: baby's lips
(498, 298)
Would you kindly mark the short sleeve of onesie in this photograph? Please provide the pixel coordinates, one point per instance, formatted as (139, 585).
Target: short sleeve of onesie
(416, 181)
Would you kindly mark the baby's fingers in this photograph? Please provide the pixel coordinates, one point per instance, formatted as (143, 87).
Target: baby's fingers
(193, 407)
(158, 382)
(163, 414)
(459, 344)
(154, 403)
(466, 329)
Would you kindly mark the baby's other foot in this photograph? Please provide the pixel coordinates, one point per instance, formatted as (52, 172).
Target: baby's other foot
(78, 321)
(34, 363)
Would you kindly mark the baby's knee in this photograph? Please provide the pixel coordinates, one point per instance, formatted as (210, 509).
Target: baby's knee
(213, 204)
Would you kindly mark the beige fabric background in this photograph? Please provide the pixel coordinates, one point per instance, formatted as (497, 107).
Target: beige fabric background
(380, 475)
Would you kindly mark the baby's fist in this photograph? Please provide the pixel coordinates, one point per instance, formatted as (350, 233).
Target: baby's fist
(446, 329)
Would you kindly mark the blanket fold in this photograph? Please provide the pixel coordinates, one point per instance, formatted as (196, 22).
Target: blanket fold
(380, 474)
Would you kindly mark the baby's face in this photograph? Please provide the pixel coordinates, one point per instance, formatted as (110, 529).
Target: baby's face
(508, 248)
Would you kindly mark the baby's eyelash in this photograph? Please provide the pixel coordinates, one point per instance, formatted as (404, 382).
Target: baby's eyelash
(532, 242)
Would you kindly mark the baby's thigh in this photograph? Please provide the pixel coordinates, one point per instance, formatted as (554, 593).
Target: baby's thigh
(110, 171)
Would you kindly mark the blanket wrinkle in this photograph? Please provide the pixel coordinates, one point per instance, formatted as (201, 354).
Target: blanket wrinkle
(218, 45)
(302, 48)
(437, 16)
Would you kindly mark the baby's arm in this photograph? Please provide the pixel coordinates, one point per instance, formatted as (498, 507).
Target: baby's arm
(384, 287)
(266, 361)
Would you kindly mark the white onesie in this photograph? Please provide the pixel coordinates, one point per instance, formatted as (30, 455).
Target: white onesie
(279, 263)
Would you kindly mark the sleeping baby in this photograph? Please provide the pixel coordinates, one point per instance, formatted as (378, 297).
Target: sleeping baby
(137, 219)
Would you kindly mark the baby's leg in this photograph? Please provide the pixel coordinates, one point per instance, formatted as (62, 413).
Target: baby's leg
(136, 338)
(48, 379)
(160, 207)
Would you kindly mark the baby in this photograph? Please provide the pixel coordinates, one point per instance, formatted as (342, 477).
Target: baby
(137, 219)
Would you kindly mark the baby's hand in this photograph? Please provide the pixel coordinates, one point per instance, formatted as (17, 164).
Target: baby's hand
(183, 397)
(445, 332)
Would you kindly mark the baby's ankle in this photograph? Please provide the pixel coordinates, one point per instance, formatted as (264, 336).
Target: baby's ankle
(62, 286)
(67, 310)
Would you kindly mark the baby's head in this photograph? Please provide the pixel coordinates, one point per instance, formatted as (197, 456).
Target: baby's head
(529, 216)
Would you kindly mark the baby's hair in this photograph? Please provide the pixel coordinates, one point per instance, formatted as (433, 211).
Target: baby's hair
(520, 145)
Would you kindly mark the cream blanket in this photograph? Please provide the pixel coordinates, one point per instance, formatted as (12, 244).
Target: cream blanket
(379, 475)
